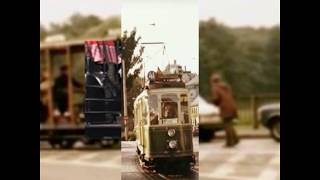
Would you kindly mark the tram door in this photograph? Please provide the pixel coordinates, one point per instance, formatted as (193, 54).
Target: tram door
(144, 121)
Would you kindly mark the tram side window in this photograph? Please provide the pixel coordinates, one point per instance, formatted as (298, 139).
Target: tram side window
(135, 113)
(169, 109)
(153, 109)
(184, 107)
(144, 112)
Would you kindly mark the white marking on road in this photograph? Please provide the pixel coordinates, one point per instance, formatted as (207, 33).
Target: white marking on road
(275, 160)
(225, 168)
(86, 156)
(268, 174)
(82, 163)
(236, 158)
(211, 176)
(203, 154)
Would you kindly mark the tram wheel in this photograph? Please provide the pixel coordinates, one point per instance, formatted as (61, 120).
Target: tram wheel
(184, 167)
(105, 144)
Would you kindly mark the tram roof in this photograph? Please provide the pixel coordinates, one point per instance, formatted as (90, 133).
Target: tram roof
(162, 85)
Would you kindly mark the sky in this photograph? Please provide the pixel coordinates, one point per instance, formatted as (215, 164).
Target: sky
(180, 44)
(181, 15)
(230, 12)
(59, 10)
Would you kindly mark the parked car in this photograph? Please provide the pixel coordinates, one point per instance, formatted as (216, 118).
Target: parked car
(269, 116)
(210, 120)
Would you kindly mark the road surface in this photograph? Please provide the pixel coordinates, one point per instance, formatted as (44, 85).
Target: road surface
(254, 159)
(80, 164)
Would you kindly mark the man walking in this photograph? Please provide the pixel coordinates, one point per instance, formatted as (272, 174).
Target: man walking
(222, 97)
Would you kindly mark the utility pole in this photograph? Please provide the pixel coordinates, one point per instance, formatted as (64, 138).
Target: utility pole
(125, 109)
(125, 106)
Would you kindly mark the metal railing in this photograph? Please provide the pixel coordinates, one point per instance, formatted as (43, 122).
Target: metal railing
(248, 106)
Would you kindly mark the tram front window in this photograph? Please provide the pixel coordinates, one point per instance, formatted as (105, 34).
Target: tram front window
(153, 105)
(184, 108)
(169, 109)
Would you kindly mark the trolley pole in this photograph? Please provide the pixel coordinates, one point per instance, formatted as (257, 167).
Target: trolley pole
(125, 109)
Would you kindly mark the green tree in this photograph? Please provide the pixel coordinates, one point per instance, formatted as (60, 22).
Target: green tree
(84, 26)
(76, 25)
(133, 66)
(248, 58)
(43, 32)
(101, 30)
(272, 69)
(216, 50)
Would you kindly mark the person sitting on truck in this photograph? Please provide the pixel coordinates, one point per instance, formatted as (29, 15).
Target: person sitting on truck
(60, 90)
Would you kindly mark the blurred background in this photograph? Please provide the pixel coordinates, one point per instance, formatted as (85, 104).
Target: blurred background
(240, 40)
(64, 26)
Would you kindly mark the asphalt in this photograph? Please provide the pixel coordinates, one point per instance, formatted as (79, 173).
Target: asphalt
(246, 132)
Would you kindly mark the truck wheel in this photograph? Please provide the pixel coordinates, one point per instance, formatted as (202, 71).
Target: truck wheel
(275, 130)
(116, 143)
(205, 135)
(53, 143)
(66, 144)
(105, 143)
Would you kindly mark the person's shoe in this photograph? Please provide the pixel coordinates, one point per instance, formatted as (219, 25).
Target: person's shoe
(228, 145)
(236, 142)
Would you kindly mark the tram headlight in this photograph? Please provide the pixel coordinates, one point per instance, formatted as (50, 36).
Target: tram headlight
(173, 144)
(171, 132)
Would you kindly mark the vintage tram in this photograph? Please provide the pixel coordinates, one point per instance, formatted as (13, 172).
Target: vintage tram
(162, 124)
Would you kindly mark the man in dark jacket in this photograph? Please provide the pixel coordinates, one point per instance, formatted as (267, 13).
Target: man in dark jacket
(61, 89)
(222, 97)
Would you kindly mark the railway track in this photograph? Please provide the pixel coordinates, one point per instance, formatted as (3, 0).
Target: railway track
(154, 175)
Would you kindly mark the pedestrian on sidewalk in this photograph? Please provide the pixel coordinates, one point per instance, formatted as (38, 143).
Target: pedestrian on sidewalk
(222, 96)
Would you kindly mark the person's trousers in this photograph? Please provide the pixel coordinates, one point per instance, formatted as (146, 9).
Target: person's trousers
(231, 134)
(62, 103)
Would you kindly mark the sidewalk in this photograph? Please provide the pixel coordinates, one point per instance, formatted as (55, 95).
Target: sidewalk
(247, 132)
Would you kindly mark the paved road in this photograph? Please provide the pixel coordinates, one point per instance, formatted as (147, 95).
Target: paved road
(254, 159)
(130, 168)
(80, 164)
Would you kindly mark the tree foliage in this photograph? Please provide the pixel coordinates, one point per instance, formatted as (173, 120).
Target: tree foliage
(80, 26)
(133, 66)
(247, 58)
(43, 32)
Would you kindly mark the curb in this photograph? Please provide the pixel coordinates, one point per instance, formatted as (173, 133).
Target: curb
(247, 136)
